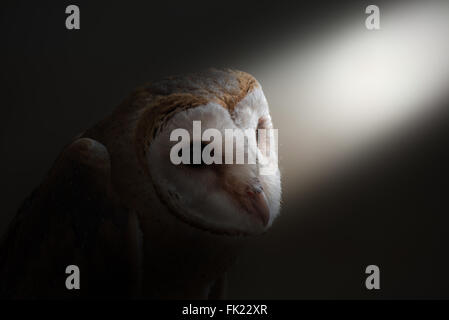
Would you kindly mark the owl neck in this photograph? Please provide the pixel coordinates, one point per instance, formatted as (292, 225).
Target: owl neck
(182, 262)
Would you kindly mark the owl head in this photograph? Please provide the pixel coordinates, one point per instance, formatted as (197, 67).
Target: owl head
(230, 197)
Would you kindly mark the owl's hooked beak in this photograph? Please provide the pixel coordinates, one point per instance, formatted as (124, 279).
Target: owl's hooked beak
(256, 204)
(248, 193)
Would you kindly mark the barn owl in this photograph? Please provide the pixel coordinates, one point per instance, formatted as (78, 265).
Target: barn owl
(134, 223)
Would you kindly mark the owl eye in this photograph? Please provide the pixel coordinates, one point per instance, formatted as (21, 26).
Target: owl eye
(191, 150)
(261, 124)
(201, 164)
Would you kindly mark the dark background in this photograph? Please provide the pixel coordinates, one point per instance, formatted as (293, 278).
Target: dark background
(391, 211)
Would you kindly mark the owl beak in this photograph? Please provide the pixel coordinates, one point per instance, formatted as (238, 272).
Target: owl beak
(257, 205)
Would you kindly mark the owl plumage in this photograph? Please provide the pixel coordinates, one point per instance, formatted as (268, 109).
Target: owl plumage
(136, 225)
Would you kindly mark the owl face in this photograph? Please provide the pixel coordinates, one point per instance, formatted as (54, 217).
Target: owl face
(232, 199)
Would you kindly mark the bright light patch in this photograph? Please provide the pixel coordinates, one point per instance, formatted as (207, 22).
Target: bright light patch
(352, 87)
